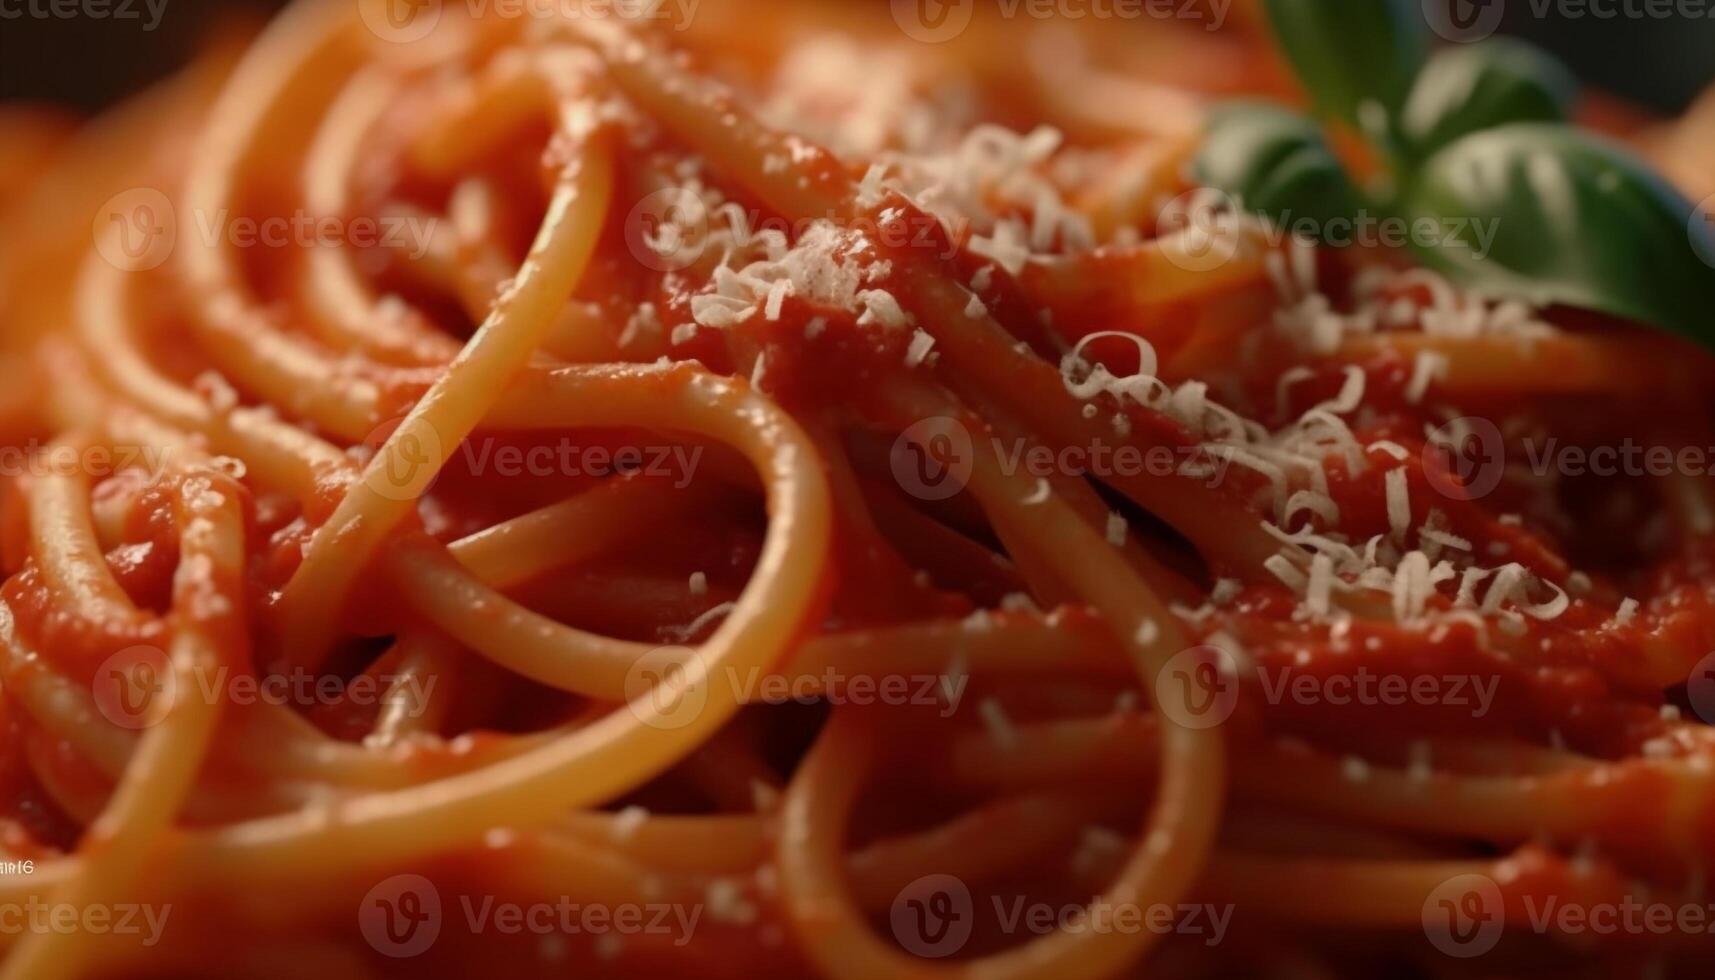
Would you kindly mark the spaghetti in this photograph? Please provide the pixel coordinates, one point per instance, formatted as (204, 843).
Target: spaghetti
(830, 493)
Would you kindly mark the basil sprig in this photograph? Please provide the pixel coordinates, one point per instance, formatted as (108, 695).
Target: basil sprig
(1475, 87)
(1473, 136)
(1280, 159)
(1342, 76)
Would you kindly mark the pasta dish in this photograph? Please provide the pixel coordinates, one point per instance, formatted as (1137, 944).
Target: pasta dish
(857, 490)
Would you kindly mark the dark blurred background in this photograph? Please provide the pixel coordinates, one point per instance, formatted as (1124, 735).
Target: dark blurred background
(85, 61)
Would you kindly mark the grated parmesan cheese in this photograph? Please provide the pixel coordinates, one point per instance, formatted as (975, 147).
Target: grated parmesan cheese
(1398, 503)
(999, 725)
(1116, 530)
(921, 344)
(1427, 368)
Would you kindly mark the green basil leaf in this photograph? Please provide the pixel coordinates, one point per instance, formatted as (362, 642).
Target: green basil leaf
(1473, 87)
(1349, 53)
(1275, 162)
(1571, 218)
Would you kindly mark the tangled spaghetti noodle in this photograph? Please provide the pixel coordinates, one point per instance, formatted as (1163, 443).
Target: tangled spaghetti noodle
(566, 463)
